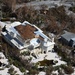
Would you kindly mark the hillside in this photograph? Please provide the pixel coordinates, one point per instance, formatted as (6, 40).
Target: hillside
(55, 17)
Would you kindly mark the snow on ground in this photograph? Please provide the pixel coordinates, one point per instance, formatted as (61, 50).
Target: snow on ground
(4, 72)
(37, 4)
(42, 73)
(3, 69)
(74, 71)
(4, 61)
(2, 24)
(55, 72)
(17, 70)
(3, 58)
(49, 56)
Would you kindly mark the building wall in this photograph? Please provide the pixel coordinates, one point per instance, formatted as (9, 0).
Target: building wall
(64, 41)
(7, 40)
(49, 48)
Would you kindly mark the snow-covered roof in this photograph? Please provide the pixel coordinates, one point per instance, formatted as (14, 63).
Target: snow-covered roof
(35, 42)
(17, 33)
(25, 22)
(41, 34)
(12, 29)
(9, 24)
(48, 43)
(15, 24)
(38, 28)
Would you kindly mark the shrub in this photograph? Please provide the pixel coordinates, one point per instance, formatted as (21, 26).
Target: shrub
(67, 69)
(33, 72)
(11, 70)
(56, 68)
(25, 53)
(46, 62)
(49, 70)
(22, 69)
(18, 64)
(72, 9)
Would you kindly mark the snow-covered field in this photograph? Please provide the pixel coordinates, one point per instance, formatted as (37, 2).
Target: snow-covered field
(3, 69)
(4, 72)
(49, 56)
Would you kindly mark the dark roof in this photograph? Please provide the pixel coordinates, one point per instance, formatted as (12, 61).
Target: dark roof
(31, 47)
(68, 35)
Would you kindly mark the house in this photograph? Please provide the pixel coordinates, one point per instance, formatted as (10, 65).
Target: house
(27, 36)
(68, 38)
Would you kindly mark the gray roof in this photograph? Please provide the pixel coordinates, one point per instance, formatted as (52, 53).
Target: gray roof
(68, 35)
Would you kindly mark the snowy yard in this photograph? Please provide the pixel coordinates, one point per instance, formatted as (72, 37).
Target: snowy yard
(49, 56)
(3, 69)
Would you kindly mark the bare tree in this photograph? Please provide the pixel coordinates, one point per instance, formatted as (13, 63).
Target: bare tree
(10, 4)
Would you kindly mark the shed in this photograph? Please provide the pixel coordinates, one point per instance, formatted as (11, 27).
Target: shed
(67, 38)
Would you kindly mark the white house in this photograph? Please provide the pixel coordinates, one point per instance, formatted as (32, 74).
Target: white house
(27, 36)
